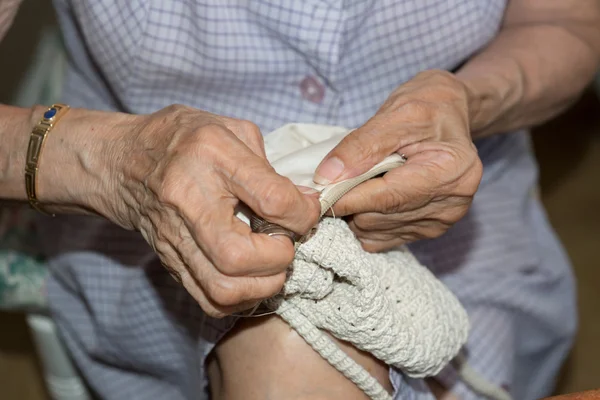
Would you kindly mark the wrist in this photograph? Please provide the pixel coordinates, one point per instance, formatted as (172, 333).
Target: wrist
(476, 101)
(473, 92)
(490, 95)
(472, 96)
(78, 168)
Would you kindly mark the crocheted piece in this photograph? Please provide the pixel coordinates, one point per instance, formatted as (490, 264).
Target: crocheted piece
(387, 304)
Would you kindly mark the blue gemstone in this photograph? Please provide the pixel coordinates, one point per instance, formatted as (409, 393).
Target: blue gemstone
(50, 113)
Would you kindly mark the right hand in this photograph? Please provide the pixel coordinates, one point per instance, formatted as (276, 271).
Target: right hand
(177, 177)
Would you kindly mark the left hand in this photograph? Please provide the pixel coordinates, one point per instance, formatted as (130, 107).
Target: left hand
(426, 119)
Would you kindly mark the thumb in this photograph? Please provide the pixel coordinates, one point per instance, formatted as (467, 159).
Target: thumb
(358, 152)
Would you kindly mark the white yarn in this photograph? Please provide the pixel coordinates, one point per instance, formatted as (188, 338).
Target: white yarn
(387, 304)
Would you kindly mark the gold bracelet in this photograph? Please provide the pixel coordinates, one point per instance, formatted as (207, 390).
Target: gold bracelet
(36, 143)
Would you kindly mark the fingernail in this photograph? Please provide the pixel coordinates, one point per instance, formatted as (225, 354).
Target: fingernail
(306, 190)
(329, 171)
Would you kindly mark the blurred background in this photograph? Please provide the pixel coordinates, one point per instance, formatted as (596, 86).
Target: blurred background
(568, 150)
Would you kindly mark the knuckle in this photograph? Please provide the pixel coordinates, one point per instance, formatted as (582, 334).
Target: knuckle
(366, 147)
(223, 293)
(452, 216)
(250, 129)
(360, 222)
(420, 109)
(276, 199)
(471, 178)
(411, 237)
(208, 141)
(212, 131)
(175, 109)
(272, 290)
(161, 244)
(171, 189)
(389, 202)
(232, 258)
(394, 201)
(369, 246)
(365, 222)
(438, 76)
(246, 131)
(431, 232)
(476, 173)
(287, 259)
(178, 115)
(439, 230)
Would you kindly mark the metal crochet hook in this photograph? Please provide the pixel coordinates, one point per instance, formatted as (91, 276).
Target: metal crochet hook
(259, 225)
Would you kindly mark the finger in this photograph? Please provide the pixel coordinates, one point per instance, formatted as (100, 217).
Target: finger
(238, 292)
(405, 188)
(271, 196)
(231, 294)
(194, 289)
(308, 191)
(219, 303)
(221, 293)
(361, 150)
(172, 262)
(215, 292)
(379, 236)
(210, 201)
(446, 211)
(379, 246)
(372, 221)
(249, 134)
(233, 249)
(423, 229)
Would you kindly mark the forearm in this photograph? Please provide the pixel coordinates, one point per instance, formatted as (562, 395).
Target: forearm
(530, 73)
(14, 126)
(72, 168)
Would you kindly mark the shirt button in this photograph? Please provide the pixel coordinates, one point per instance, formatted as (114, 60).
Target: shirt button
(312, 90)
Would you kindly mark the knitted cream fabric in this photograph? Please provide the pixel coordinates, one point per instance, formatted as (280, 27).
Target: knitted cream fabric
(387, 304)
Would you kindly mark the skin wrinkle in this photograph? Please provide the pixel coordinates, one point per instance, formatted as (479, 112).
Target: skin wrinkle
(169, 190)
(194, 279)
(162, 211)
(414, 228)
(196, 219)
(374, 221)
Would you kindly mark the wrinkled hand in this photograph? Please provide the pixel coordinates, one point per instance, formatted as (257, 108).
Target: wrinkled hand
(427, 119)
(183, 173)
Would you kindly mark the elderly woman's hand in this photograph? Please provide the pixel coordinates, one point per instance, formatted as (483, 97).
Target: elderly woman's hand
(177, 176)
(426, 119)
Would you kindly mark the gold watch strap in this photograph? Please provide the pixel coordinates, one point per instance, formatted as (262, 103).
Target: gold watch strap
(34, 150)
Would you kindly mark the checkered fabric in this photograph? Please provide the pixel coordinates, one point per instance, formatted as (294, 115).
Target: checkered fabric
(136, 334)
